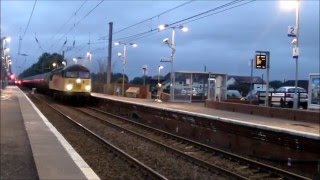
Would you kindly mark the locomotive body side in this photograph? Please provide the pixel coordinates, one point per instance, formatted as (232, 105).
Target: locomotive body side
(73, 80)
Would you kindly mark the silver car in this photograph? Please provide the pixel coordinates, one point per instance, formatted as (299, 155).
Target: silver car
(283, 96)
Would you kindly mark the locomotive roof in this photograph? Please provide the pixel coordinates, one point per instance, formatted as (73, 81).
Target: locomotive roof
(76, 67)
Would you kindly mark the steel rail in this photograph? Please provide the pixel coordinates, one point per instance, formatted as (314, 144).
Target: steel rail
(150, 173)
(236, 158)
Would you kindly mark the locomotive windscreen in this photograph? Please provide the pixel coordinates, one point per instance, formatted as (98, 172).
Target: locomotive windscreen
(78, 74)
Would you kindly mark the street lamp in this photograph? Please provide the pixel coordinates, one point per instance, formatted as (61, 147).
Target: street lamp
(54, 65)
(159, 71)
(294, 32)
(75, 60)
(144, 68)
(64, 63)
(172, 47)
(3, 60)
(134, 45)
(89, 56)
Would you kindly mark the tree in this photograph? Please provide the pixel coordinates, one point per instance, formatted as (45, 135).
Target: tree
(275, 84)
(43, 65)
(137, 80)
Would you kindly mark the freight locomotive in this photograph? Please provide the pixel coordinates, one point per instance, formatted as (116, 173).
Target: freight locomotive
(73, 81)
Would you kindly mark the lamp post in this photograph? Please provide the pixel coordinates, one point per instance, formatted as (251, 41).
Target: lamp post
(172, 47)
(144, 68)
(89, 56)
(3, 62)
(75, 60)
(294, 32)
(124, 60)
(159, 71)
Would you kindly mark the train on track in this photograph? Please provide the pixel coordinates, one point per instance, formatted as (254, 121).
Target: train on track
(70, 81)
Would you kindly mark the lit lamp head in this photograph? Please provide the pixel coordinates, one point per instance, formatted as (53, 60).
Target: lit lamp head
(183, 28)
(162, 27)
(294, 41)
(165, 41)
(7, 39)
(288, 4)
(134, 45)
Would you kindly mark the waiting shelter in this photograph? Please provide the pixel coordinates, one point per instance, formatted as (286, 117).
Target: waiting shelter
(190, 86)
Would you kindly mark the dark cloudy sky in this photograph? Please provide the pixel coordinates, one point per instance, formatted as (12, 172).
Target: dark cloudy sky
(223, 42)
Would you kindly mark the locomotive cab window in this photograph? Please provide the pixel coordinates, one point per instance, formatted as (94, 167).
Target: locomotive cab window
(84, 74)
(71, 74)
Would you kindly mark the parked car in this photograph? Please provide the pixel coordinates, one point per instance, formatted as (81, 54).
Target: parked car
(283, 96)
(251, 96)
(188, 91)
(233, 94)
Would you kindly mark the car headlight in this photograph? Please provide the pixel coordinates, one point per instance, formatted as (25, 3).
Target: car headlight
(78, 80)
(69, 87)
(88, 88)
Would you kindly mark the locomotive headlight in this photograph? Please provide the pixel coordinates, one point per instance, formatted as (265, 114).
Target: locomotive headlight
(88, 87)
(69, 87)
(78, 80)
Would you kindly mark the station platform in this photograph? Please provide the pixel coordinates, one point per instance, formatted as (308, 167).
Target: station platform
(299, 128)
(31, 147)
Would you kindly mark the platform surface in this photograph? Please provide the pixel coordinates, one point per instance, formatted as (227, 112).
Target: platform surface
(31, 147)
(309, 130)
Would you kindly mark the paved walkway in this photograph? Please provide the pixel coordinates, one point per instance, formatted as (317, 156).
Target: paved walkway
(31, 147)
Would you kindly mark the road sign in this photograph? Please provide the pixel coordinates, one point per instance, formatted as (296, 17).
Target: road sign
(292, 31)
(261, 61)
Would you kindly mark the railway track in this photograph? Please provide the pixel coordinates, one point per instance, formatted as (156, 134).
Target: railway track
(142, 170)
(208, 157)
(212, 159)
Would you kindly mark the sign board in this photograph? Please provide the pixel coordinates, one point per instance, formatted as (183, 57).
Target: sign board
(212, 76)
(314, 91)
(295, 52)
(261, 61)
(292, 31)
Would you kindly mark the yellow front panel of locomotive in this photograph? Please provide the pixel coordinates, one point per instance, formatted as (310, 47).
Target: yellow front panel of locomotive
(77, 85)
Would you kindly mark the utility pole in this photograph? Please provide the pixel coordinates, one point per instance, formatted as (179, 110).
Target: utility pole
(109, 55)
(251, 75)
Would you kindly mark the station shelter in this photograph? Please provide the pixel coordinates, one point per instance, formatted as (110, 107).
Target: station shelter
(198, 86)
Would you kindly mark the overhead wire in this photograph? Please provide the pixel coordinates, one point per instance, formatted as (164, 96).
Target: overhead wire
(141, 35)
(164, 12)
(65, 34)
(74, 14)
(34, 5)
(145, 34)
